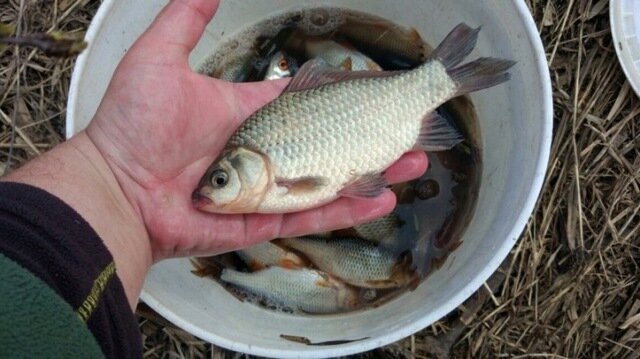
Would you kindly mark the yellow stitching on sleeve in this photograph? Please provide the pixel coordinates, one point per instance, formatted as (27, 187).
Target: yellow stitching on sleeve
(91, 302)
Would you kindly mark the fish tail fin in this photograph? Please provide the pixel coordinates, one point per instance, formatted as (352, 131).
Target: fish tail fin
(255, 265)
(456, 46)
(473, 76)
(404, 273)
(205, 268)
(480, 74)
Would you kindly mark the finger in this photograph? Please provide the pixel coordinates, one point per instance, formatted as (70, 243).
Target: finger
(342, 213)
(237, 231)
(235, 102)
(411, 165)
(176, 30)
(223, 233)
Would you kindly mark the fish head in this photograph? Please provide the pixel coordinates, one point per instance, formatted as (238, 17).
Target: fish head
(281, 66)
(235, 183)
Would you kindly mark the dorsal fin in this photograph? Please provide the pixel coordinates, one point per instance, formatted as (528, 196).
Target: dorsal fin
(316, 72)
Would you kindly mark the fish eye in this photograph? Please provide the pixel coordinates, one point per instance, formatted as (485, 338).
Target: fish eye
(283, 64)
(219, 178)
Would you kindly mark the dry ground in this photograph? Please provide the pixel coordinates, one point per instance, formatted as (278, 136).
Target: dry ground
(569, 288)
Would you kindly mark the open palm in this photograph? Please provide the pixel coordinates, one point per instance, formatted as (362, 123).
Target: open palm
(160, 125)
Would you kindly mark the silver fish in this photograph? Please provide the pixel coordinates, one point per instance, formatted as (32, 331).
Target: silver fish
(340, 56)
(335, 52)
(332, 133)
(267, 254)
(281, 66)
(386, 42)
(356, 261)
(306, 290)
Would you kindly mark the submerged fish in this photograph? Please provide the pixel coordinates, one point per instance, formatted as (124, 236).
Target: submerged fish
(236, 69)
(404, 192)
(341, 56)
(337, 54)
(388, 44)
(332, 133)
(268, 254)
(281, 66)
(356, 261)
(383, 229)
(306, 290)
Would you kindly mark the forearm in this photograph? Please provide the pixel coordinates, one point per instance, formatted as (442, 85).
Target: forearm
(77, 173)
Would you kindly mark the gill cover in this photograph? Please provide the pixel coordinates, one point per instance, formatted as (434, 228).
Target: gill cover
(237, 182)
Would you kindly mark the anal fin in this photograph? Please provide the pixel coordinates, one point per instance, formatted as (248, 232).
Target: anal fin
(381, 283)
(302, 184)
(436, 134)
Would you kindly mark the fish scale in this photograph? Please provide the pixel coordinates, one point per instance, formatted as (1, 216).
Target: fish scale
(381, 230)
(299, 289)
(356, 108)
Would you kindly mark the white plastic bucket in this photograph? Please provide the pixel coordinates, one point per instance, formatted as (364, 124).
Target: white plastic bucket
(625, 30)
(515, 122)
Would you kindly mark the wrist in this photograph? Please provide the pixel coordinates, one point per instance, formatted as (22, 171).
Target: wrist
(77, 173)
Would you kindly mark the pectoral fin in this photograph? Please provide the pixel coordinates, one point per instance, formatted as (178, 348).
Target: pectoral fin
(382, 284)
(302, 185)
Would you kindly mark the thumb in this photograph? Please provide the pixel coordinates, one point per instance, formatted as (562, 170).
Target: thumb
(248, 97)
(175, 31)
(235, 102)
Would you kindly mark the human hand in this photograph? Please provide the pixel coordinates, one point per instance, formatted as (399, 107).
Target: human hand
(160, 125)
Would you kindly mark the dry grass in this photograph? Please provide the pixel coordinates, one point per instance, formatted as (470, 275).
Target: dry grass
(33, 87)
(569, 288)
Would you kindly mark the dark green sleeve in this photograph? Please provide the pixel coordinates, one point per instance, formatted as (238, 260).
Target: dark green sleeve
(35, 322)
(59, 282)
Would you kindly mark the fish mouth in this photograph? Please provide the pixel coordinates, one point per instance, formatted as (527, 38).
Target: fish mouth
(199, 200)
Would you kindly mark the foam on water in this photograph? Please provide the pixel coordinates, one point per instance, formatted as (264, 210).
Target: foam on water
(312, 20)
